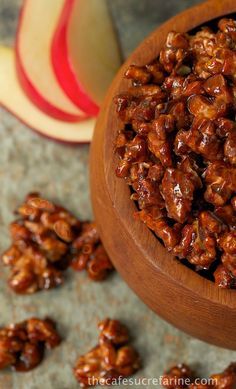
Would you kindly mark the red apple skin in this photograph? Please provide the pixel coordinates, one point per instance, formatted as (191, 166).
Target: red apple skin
(63, 68)
(37, 131)
(32, 92)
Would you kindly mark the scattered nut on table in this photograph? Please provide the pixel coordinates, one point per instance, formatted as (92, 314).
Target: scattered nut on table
(183, 377)
(22, 345)
(46, 239)
(112, 358)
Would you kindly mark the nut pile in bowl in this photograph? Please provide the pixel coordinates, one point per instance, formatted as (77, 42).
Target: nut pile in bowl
(177, 147)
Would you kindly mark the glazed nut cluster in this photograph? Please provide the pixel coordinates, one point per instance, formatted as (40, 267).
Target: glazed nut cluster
(182, 377)
(22, 345)
(177, 147)
(112, 358)
(46, 239)
(89, 253)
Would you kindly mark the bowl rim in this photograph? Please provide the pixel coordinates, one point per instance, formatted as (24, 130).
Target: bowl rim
(187, 278)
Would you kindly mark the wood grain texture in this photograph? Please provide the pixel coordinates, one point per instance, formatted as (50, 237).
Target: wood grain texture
(181, 296)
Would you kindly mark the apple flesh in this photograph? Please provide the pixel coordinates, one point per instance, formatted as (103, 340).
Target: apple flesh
(85, 52)
(37, 23)
(13, 98)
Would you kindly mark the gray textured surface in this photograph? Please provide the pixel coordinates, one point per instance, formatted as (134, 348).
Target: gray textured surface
(29, 162)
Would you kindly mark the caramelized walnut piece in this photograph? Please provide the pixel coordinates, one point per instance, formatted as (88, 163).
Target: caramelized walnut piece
(221, 183)
(113, 357)
(201, 139)
(99, 264)
(138, 74)
(89, 253)
(223, 278)
(177, 376)
(175, 51)
(177, 190)
(182, 377)
(227, 243)
(177, 147)
(155, 220)
(22, 345)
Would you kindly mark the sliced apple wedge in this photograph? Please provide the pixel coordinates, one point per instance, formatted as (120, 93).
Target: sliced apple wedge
(13, 98)
(85, 52)
(37, 23)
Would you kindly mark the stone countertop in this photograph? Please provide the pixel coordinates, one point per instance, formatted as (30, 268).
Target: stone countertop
(29, 162)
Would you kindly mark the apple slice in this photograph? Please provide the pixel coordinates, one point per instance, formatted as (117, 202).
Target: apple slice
(37, 24)
(13, 98)
(85, 52)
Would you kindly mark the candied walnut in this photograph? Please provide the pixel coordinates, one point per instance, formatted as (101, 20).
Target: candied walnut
(160, 148)
(43, 331)
(22, 345)
(227, 243)
(89, 254)
(111, 358)
(227, 214)
(204, 247)
(177, 190)
(228, 26)
(203, 43)
(148, 91)
(147, 193)
(192, 88)
(203, 107)
(155, 220)
(177, 377)
(99, 264)
(226, 379)
(10, 256)
(135, 151)
(177, 147)
(224, 278)
(114, 331)
(181, 376)
(44, 242)
(156, 71)
(179, 110)
(157, 139)
(198, 242)
(125, 107)
(175, 51)
(225, 127)
(174, 85)
(200, 138)
(156, 173)
(41, 204)
(233, 202)
(221, 183)
(138, 74)
(63, 230)
(185, 246)
(216, 86)
(89, 236)
(230, 148)
(188, 166)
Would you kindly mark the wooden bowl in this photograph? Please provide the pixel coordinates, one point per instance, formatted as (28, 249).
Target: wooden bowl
(175, 292)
